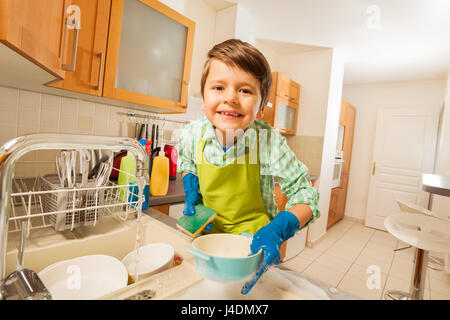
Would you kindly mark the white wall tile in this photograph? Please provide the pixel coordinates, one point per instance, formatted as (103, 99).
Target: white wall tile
(29, 99)
(9, 97)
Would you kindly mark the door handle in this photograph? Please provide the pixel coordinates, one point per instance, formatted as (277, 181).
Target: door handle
(100, 71)
(75, 24)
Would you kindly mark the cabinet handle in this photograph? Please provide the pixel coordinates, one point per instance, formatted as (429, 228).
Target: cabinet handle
(100, 71)
(373, 168)
(76, 25)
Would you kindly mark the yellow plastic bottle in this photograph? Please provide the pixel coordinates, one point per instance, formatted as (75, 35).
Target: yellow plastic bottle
(159, 181)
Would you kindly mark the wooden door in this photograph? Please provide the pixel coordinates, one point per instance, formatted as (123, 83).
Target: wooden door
(404, 149)
(347, 120)
(34, 30)
(91, 47)
(135, 65)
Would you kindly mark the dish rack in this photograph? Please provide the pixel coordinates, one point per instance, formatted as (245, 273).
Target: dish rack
(43, 202)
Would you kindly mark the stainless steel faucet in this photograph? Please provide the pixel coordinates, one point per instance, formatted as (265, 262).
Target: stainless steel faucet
(14, 149)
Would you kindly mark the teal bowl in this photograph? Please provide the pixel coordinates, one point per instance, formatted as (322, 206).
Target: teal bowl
(225, 257)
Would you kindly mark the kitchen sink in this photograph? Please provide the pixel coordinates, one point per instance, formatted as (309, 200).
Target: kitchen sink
(117, 238)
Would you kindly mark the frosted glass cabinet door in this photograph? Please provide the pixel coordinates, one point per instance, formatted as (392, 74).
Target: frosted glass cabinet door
(285, 116)
(151, 52)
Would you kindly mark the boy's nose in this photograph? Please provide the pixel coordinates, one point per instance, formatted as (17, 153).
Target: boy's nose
(231, 97)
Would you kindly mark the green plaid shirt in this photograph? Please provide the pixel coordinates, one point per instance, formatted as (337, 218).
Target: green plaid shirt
(277, 160)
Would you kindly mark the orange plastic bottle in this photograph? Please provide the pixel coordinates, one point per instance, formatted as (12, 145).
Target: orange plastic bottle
(159, 181)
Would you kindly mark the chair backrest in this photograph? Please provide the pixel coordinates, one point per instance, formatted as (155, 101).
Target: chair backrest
(413, 208)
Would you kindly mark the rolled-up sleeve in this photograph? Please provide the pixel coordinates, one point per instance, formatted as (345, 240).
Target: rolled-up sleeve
(293, 178)
(186, 151)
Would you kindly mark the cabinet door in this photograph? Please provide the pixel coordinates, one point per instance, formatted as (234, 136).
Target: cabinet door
(149, 54)
(288, 89)
(33, 29)
(285, 116)
(90, 47)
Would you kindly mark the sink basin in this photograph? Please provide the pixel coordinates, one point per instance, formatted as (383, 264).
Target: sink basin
(112, 237)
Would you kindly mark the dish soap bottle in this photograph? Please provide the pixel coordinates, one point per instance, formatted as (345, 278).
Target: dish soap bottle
(127, 174)
(159, 180)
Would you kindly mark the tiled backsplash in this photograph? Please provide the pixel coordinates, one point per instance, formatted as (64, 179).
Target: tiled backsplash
(23, 111)
(308, 150)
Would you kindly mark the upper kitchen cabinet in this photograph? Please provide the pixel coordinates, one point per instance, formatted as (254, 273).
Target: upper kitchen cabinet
(84, 40)
(287, 88)
(149, 55)
(30, 34)
(281, 111)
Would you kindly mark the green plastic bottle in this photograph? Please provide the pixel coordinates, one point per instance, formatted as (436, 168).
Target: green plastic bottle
(127, 174)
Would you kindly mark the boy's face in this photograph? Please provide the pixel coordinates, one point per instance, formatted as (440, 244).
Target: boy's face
(231, 97)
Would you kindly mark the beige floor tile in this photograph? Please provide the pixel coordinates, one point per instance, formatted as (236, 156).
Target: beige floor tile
(366, 260)
(439, 275)
(310, 254)
(327, 276)
(384, 238)
(401, 271)
(324, 244)
(364, 274)
(335, 263)
(435, 295)
(297, 264)
(345, 252)
(438, 286)
(356, 287)
(396, 283)
(377, 255)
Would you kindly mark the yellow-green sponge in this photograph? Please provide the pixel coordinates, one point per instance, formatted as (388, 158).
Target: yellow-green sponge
(193, 225)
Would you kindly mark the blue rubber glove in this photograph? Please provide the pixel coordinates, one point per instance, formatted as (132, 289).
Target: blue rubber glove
(193, 197)
(269, 238)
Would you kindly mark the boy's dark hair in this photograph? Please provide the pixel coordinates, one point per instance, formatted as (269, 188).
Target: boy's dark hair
(241, 54)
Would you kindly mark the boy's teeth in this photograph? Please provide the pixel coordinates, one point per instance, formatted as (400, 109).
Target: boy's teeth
(231, 114)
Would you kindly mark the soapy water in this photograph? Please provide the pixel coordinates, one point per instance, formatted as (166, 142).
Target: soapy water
(275, 284)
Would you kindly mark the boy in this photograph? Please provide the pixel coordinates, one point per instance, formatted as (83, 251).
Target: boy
(233, 157)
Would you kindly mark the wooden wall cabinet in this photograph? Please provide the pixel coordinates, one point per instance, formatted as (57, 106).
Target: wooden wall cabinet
(149, 54)
(33, 29)
(281, 111)
(89, 46)
(338, 196)
(132, 52)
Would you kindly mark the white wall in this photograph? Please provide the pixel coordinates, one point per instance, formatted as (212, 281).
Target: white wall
(312, 71)
(225, 24)
(367, 99)
(441, 205)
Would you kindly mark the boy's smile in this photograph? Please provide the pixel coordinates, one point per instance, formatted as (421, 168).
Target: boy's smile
(231, 98)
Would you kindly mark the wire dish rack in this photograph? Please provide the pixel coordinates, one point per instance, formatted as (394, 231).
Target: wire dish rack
(43, 202)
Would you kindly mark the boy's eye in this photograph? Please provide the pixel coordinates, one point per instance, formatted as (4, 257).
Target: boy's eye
(218, 88)
(246, 91)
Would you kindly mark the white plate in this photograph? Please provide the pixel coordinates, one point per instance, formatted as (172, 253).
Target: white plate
(84, 278)
(153, 258)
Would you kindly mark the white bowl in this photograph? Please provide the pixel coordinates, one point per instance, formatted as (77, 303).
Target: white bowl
(153, 258)
(84, 278)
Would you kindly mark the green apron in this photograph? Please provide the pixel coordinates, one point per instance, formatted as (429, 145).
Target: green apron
(233, 191)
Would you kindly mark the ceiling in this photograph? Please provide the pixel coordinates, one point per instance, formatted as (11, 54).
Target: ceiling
(382, 40)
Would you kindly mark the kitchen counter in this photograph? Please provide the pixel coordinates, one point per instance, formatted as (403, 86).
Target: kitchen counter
(175, 193)
(436, 184)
